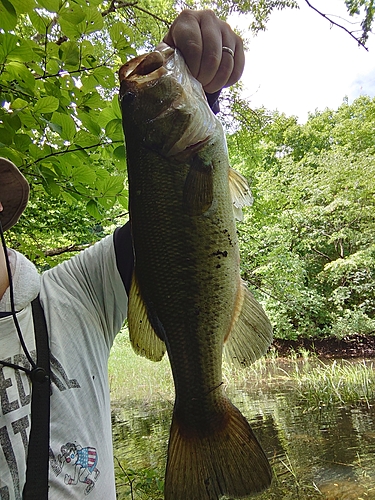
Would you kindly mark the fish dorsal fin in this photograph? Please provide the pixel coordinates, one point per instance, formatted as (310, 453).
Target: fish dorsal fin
(240, 192)
(198, 189)
(251, 331)
(142, 335)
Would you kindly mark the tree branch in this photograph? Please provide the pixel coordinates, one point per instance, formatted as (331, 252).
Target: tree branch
(338, 25)
(322, 254)
(56, 153)
(70, 248)
(116, 5)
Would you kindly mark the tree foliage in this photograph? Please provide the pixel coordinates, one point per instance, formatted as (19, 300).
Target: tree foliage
(308, 241)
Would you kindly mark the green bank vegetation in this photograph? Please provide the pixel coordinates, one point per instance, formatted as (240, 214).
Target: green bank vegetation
(308, 243)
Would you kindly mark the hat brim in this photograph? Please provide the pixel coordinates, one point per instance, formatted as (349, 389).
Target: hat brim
(14, 193)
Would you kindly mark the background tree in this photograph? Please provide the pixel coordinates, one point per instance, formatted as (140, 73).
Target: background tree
(308, 241)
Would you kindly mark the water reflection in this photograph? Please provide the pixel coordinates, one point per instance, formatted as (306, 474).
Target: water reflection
(316, 453)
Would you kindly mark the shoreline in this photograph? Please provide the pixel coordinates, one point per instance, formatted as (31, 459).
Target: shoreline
(355, 346)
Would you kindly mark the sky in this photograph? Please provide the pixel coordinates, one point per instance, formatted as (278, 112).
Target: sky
(302, 63)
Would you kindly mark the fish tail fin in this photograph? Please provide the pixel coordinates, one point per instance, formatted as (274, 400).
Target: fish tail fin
(224, 460)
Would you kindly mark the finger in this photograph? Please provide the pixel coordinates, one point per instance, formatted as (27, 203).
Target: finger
(185, 35)
(231, 66)
(200, 36)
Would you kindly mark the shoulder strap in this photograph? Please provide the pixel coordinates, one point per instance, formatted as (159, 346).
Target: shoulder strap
(36, 487)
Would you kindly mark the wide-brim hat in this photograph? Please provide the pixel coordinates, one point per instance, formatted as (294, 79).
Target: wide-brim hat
(14, 193)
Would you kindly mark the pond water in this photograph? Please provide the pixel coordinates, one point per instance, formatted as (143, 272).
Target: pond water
(316, 451)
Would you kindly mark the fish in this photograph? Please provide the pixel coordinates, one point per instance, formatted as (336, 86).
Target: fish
(187, 297)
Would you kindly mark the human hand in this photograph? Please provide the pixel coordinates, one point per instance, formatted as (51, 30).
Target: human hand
(200, 36)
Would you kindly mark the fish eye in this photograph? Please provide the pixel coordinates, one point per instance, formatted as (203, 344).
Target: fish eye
(127, 98)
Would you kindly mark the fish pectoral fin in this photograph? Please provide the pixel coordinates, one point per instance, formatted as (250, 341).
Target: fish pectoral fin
(240, 192)
(143, 338)
(251, 331)
(198, 189)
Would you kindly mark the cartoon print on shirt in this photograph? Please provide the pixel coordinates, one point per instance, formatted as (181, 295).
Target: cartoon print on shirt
(83, 461)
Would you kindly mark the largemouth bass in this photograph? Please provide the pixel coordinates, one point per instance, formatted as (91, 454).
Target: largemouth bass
(187, 296)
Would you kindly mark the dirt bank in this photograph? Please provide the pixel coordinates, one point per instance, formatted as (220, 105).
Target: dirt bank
(358, 346)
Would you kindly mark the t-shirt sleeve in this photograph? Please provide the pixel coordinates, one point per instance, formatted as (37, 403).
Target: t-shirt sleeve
(91, 282)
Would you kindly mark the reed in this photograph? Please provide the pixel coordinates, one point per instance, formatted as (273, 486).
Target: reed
(337, 382)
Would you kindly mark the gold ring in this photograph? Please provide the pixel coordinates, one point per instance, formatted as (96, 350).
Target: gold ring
(227, 49)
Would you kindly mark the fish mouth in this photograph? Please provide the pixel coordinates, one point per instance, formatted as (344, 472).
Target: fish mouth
(168, 104)
(144, 69)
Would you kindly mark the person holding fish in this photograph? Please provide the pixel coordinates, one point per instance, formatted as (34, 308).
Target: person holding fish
(85, 303)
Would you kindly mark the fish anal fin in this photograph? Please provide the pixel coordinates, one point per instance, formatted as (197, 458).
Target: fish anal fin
(240, 192)
(250, 334)
(198, 189)
(229, 461)
(143, 338)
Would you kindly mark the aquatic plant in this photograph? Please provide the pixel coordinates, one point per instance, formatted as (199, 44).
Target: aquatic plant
(337, 382)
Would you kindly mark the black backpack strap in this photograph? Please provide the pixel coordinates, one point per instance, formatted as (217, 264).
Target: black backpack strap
(36, 487)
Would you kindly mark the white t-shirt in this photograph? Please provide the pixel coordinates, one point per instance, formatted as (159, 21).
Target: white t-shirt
(85, 309)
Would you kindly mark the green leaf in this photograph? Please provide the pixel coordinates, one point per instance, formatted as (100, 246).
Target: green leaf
(23, 6)
(11, 154)
(6, 138)
(8, 42)
(50, 5)
(89, 121)
(111, 186)
(114, 130)
(121, 35)
(116, 106)
(66, 124)
(93, 209)
(84, 174)
(52, 88)
(71, 30)
(69, 53)
(22, 142)
(74, 14)
(19, 73)
(8, 15)
(70, 200)
(92, 100)
(12, 122)
(13, 48)
(105, 77)
(93, 21)
(53, 67)
(123, 199)
(19, 104)
(39, 21)
(51, 186)
(85, 139)
(106, 115)
(46, 105)
(119, 153)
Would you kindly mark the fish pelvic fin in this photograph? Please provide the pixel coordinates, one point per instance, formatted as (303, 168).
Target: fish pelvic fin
(229, 461)
(143, 338)
(240, 193)
(251, 332)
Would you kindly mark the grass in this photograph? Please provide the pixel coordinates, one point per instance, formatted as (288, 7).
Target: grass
(136, 378)
(338, 382)
(319, 383)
